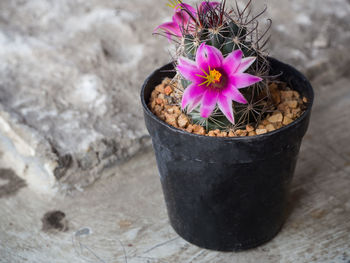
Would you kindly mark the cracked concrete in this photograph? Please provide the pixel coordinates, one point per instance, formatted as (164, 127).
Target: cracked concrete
(54, 138)
(10, 183)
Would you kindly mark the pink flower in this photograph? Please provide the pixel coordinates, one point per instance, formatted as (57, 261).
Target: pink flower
(215, 80)
(183, 18)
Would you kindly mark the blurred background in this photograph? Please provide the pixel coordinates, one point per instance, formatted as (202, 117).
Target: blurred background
(70, 76)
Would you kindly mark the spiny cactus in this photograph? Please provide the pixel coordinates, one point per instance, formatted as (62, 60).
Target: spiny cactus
(228, 30)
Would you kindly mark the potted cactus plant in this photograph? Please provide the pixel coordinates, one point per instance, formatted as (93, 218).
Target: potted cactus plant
(226, 122)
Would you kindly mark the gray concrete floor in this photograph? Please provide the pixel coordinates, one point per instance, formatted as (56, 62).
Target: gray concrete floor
(123, 219)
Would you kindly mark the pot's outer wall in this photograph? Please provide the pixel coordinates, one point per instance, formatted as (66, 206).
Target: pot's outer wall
(227, 194)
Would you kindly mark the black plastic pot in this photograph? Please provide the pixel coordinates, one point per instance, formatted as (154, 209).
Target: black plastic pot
(227, 194)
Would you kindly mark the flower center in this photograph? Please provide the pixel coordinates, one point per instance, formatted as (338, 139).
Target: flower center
(214, 76)
(174, 4)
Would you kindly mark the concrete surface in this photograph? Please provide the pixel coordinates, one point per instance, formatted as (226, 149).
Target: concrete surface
(122, 217)
(71, 71)
(70, 75)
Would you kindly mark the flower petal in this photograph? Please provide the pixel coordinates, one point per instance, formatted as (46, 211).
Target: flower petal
(190, 94)
(232, 61)
(194, 103)
(188, 69)
(225, 105)
(186, 7)
(170, 28)
(205, 6)
(245, 64)
(228, 90)
(183, 20)
(238, 97)
(242, 80)
(232, 93)
(180, 20)
(208, 102)
(208, 56)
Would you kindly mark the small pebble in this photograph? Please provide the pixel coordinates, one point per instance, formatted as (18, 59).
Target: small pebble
(270, 127)
(159, 101)
(241, 132)
(158, 109)
(251, 133)
(287, 94)
(282, 107)
(177, 111)
(170, 111)
(296, 112)
(279, 125)
(170, 119)
(222, 134)
(231, 134)
(275, 98)
(260, 131)
(153, 104)
(211, 134)
(154, 94)
(166, 81)
(189, 128)
(160, 88)
(249, 128)
(296, 94)
(168, 90)
(292, 104)
(217, 131)
(289, 115)
(287, 120)
(197, 129)
(162, 117)
(275, 94)
(265, 122)
(276, 117)
(182, 121)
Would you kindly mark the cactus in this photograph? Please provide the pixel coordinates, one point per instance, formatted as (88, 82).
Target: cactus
(227, 30)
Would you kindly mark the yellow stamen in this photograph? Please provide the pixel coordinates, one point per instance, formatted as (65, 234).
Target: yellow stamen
(214, 76)
(174, 4)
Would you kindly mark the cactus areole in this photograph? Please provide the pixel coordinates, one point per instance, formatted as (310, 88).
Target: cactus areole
(229, 193)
